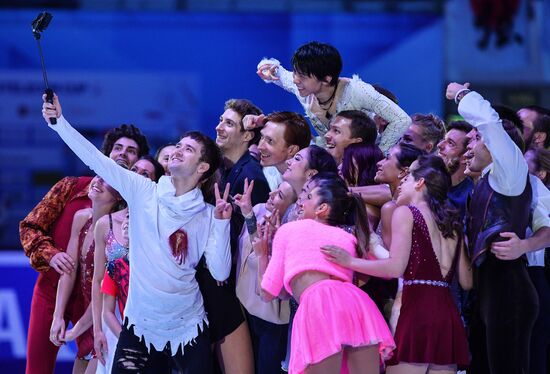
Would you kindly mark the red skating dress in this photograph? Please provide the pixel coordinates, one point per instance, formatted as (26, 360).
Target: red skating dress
(429, 329)
(86, 263)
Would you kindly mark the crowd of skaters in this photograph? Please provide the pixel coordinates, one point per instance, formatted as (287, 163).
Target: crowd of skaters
(381, 242)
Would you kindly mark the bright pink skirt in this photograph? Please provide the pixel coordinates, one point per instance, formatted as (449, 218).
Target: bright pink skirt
(332, 315)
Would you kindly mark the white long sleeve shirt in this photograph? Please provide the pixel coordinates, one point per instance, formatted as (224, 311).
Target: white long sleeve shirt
(357, 95)
(508, 171)
(164, 302)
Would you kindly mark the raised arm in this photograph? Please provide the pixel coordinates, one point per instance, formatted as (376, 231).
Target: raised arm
(34, 229)
(365, 97)
(122, 180)
(218, 247)
(244, 202)
(271, 71)
(508, 175)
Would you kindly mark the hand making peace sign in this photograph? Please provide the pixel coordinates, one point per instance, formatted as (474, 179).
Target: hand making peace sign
(244, 200)
(223, 209)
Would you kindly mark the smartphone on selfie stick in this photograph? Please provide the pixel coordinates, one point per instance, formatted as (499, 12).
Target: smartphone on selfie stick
(38, 26)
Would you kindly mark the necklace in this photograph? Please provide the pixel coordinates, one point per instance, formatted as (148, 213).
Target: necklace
(329, 101)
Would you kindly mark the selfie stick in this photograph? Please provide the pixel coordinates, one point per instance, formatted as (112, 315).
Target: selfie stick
(38, 25)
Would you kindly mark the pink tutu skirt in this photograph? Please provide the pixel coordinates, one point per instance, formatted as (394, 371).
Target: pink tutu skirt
(332, 315)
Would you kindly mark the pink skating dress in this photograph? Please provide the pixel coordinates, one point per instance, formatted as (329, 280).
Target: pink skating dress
(333, 313)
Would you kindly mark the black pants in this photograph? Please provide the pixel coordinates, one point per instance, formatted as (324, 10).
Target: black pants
(269, 344)
(540, 339)
(504, 314)
(132, 355)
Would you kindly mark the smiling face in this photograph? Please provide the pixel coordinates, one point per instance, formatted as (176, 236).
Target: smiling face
(388, 168)
(164, 156)
(273, 148)
(307, 85)
(125, 152)
(308, 201)
(101, 192)
(339, 137)
(451, 149)
(185, 159)
(281, 198)
(408, 187)
(297, 168)
(229, 134)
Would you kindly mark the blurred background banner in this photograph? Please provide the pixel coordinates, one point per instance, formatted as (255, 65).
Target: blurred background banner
(168, 66)
(169, 105)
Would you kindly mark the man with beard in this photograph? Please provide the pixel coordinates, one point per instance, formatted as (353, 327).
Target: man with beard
(539, 134)
(452, 149)
(528, 115)
(425, 132)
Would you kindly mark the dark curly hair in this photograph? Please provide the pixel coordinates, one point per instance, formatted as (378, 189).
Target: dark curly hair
(125, 131)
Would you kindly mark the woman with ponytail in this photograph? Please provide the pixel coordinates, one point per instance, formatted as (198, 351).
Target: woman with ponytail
(333, 316)
(426, 248)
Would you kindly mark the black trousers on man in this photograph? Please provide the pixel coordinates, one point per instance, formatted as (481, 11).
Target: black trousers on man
(132, 355)
(503, 318)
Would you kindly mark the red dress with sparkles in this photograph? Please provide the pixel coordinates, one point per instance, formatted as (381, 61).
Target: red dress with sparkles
(429, 329)
(86, 271)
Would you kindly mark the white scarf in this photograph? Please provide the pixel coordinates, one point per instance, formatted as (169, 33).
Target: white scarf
(176, 211)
